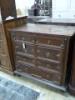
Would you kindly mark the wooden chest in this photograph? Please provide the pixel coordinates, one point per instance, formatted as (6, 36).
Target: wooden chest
(41, 52)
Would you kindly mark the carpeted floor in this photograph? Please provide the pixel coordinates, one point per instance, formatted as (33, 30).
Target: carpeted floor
(10, 90)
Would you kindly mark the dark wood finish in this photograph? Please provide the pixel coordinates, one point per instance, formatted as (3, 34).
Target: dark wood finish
(8, 8)
(42, 51)
(72, 76)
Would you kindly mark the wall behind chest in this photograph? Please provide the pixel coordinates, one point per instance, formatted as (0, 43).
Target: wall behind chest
(63, 9)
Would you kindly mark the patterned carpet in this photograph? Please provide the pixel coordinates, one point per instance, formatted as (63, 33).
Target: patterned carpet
(10, 90)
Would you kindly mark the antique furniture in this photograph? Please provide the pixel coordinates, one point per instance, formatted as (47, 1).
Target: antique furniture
(41, 52)
(8, 8)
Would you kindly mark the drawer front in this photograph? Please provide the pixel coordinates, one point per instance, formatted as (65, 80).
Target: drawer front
(4, 60)
(24, 37)
(38, 73)
(25, 48)
(51, 40)
(49, 53)
(49, 65)
(25, 59)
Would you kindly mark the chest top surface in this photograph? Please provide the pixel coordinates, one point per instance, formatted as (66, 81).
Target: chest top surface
(46, 29)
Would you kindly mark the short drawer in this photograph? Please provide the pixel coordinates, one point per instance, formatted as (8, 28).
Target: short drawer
(49, 65)
(24, 48)
(49, 53)
(51, 40)
(20, 65)
(25, 59)
(38, 73)
(24, 37)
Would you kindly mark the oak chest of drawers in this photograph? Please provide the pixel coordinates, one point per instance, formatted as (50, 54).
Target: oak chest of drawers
(41, 52)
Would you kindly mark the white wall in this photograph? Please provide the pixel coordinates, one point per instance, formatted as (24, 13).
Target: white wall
(24, 5)
(63, 9)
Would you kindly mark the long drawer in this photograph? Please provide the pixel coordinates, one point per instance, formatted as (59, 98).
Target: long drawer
(25, 59)
(50, 40)
(39, 73)
(38, 39)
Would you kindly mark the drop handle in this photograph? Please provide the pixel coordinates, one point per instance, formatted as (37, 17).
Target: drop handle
(24, 45)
